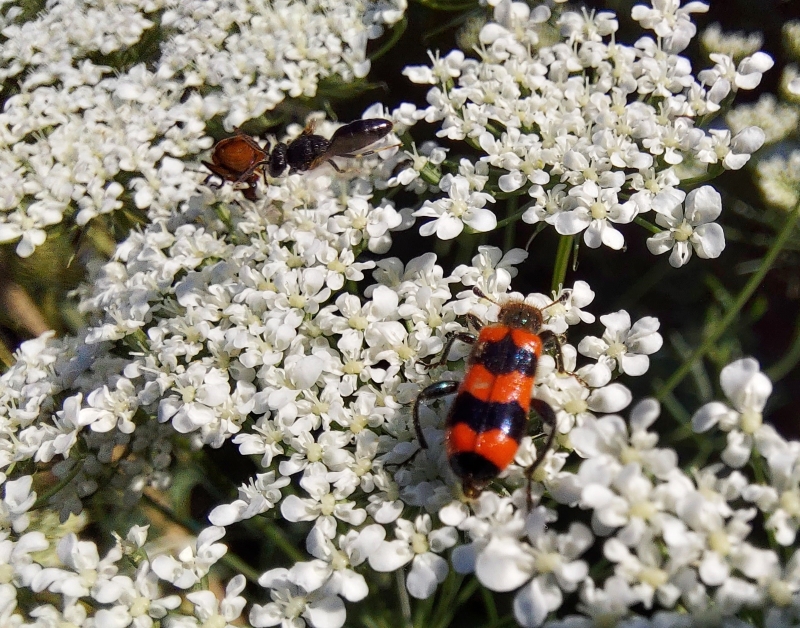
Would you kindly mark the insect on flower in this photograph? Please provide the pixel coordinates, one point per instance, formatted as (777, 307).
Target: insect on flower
(489, 415)
(239, 158)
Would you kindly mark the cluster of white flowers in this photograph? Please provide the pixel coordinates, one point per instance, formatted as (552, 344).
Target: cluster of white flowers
(263, 324)
(80, 138)
(596, 132)
(252, 342)
(779, 179)
(122, 588)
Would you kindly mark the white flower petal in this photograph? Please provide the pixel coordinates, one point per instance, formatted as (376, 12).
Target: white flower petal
(427, 571)
(609, 399)
(391, 555)
(745, 385)
(502, 565)
(708, 241)
(530, 607)
(328, 612)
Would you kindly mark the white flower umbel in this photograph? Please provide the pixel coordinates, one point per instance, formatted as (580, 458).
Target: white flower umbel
(83, 138)
(692, 228)
(265, 326)
(589, 128)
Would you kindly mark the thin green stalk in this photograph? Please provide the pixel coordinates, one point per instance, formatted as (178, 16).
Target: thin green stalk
(230, 560)
(446, 6)
(509, 233)
(562, 261)
(42, 499)
(6, 357)
(491, 608)
(402, 594)
(397, 33)
(646, 224)
(511, 219)
(789, 360)
(732, 313)
(447, 603)
(713, 172)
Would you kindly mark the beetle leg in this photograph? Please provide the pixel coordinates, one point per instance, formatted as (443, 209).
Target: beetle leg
(464, 336)
(475, 321)
(431, 393)
(548, 417)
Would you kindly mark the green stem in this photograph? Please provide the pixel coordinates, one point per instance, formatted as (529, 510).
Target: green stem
(397, 33)
(509, 233)
(562, 261)
(231, 561)
(713, 172)
(445, 6)
(430, 174)
(402, 594)
(789, 360)
(738, 304)
(6, 357)
(42, 499)
(647, 225)
(511, 219)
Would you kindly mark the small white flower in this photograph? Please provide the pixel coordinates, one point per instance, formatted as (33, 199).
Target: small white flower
(258, 496)
(609, 436)
(594, 209)
(292, 605)
(190, 566)
(670, 21)
(462, 207)
(421, 545)
(748, 389)
(692, 229)
(324, 501)
(624, 347)
(17, 500)
(781, 498)
(212, 612)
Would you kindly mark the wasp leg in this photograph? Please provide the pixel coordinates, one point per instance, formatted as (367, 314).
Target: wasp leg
(431, 393)
(249, 172)
(464, 336)
(207, 181)
(335, 167)
(551, 338)
(371, 151)
(310, 127)
(548, 417)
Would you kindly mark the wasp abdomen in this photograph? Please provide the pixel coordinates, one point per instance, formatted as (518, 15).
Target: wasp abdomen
(359, 134)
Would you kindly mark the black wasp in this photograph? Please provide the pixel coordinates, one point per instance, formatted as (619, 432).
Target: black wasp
(305, 152)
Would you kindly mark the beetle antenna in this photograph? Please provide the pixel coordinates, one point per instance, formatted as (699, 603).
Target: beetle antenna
(562, 299)
(481, 294)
